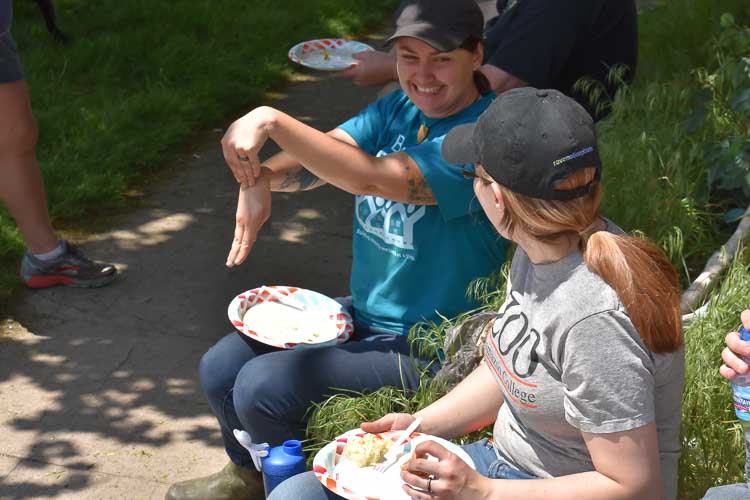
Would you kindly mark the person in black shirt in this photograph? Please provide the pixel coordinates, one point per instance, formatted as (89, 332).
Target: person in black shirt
(545, 44)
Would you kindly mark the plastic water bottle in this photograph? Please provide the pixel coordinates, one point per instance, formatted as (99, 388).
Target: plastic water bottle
(741, 396)
(282, 463)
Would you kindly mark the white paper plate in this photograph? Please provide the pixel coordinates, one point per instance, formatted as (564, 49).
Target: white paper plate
(327, 54)
(326, 322)
(354, 483)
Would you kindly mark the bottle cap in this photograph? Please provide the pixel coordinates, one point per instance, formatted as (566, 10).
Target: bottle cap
(744, 334)
(285, 460)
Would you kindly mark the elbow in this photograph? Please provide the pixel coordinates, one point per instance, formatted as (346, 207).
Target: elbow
(648, 489)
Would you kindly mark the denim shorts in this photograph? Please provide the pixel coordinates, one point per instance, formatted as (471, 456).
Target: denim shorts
(489, 464)
(11, 69)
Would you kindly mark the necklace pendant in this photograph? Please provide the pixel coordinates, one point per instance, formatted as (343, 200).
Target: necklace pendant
(422, 133)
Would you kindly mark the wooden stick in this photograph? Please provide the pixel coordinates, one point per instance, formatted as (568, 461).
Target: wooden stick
(693, 297)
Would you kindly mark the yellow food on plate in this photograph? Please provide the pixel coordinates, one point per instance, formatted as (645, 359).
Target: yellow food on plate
(365, 450)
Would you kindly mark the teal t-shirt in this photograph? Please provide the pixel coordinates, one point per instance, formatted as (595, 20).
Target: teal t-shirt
(414, 262)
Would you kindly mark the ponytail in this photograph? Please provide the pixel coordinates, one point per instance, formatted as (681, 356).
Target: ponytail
(480, 80)
(645, 282)
(636, 269)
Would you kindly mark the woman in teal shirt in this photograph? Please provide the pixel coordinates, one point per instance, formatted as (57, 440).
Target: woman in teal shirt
(419, 237)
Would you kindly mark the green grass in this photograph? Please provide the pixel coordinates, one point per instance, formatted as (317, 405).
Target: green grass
(713, 443)
(661, 170)
(141, 77)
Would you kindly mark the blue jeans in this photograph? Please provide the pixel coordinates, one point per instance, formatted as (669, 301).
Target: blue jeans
(267, 391)
(307, 487)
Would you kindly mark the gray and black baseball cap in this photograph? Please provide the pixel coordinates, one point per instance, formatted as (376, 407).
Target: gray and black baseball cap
(443, 24)
(529, 140)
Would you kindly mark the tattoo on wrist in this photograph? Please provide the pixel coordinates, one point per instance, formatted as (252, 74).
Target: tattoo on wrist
(299, 180)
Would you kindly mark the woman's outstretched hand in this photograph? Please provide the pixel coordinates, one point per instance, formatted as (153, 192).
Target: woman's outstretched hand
(253, 210)
(242, 143)
(447, 478)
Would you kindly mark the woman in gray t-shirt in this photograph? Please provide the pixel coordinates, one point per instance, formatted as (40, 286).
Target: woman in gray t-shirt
(587, 349)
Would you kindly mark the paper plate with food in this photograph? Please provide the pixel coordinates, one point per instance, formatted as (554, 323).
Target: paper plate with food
(327, 54)
(347, 465)
(290, 317)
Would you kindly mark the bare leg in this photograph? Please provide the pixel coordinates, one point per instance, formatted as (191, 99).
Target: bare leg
(22, 188)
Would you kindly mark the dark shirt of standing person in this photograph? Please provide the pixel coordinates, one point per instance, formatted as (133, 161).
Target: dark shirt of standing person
(554, 43)
(6, 12)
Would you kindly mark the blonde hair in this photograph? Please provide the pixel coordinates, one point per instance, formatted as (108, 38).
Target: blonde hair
(638, 271)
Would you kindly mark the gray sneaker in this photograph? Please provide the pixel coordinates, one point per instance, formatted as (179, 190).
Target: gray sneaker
(72, 268)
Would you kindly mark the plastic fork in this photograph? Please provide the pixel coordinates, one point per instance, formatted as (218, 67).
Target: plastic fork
(392, 455)
(284, 300)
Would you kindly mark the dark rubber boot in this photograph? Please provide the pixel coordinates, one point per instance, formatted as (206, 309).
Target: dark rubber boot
(230, 483)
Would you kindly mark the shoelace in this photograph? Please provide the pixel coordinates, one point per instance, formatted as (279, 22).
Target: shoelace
(73, 250)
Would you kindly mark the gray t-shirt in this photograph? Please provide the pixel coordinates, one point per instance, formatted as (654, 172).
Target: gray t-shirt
(569, 360)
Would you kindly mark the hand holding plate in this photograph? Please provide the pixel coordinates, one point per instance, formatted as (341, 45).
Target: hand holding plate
(374, 68)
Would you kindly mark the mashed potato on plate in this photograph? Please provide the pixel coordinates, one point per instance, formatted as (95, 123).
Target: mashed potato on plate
(366, 450)
(288, 324)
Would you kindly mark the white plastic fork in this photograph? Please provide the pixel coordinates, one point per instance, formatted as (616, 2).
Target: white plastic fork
(284, 300)
(391, 455)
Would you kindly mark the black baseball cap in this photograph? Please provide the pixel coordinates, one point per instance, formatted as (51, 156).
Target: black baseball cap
(443, 24)
(529, 140)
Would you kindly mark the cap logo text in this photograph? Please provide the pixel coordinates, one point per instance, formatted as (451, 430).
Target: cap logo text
(572, 156)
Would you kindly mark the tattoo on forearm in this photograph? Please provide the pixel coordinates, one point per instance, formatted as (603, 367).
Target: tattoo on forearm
(299, 180)
(420, 192)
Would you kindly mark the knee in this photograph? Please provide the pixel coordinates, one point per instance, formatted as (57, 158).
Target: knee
(20, 135)
(261, 389)
(302, 486)
(215, 377)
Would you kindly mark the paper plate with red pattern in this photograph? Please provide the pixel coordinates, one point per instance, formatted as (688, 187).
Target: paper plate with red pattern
(290, 318)
(349, 481)
(327, 54)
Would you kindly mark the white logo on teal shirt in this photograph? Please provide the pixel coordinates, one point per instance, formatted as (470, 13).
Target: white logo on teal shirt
(390, 221)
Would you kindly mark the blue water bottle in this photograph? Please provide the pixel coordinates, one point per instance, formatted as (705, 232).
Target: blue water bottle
(282, 463)
(741, 396)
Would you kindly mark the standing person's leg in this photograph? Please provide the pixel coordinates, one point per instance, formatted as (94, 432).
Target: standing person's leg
(22, 189)
(49, 261)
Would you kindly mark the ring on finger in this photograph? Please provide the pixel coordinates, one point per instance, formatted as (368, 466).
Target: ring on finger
(243, 158)
(429, 484)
